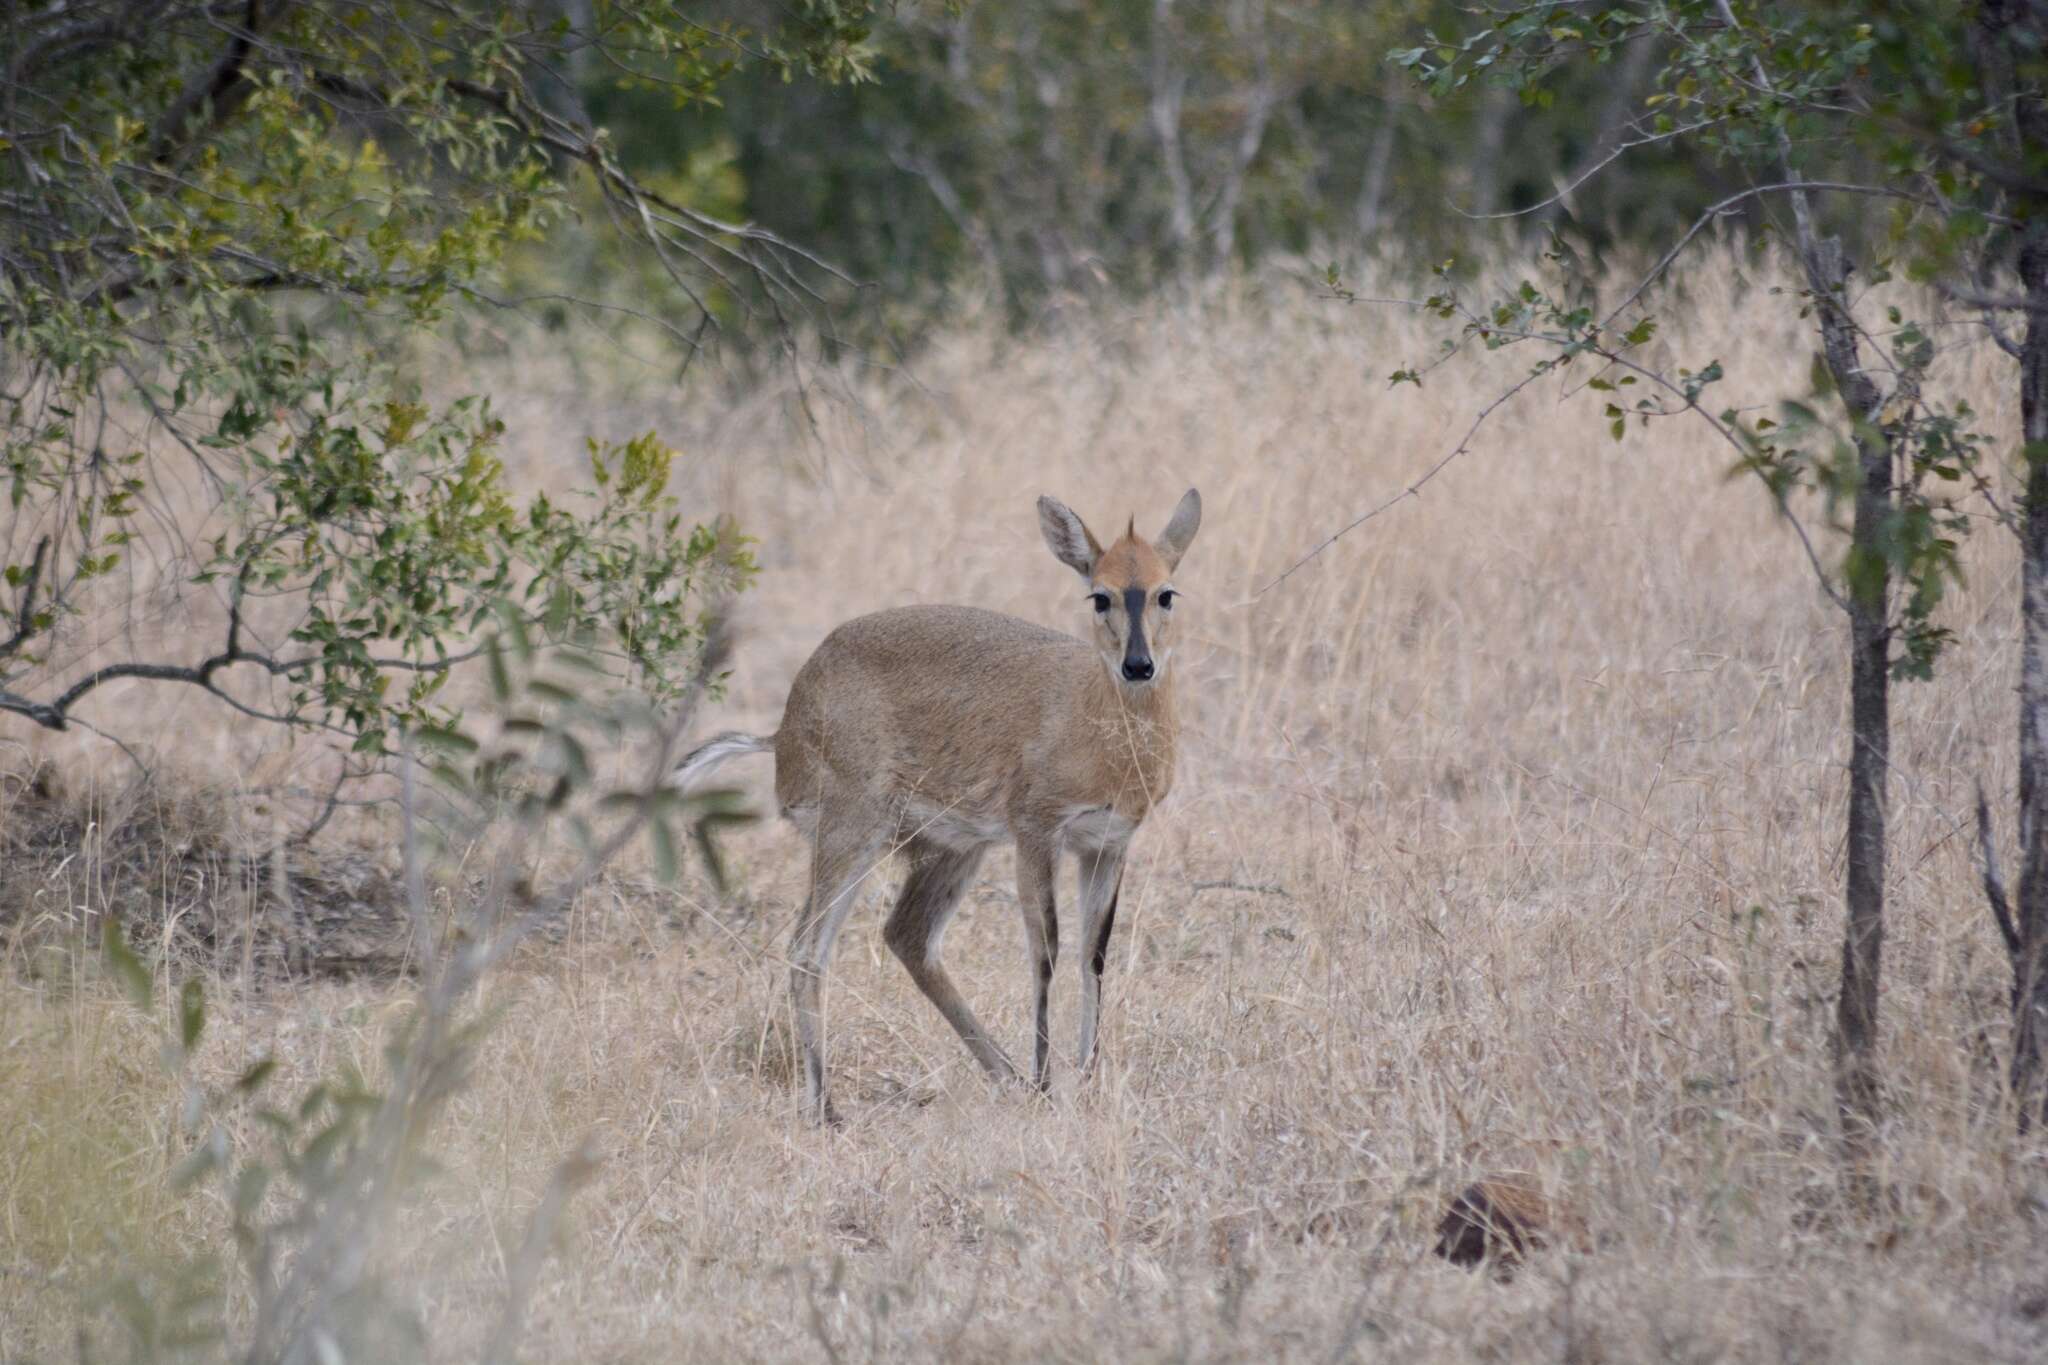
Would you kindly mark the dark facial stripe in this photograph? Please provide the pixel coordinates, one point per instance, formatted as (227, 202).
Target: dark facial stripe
(1134, 608)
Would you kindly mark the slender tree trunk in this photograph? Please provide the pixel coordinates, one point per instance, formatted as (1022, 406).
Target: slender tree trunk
(1490, 146)
(555, 81)
(905, 157)
(2003, 29)
(1857, 1091)
(1248, 25)
(1372, 189)
(1856, 1082)
(1624, 92)
(1168, 84)
(2030, 967)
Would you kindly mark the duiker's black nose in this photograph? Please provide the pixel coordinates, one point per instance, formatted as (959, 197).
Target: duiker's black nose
(1138, 670)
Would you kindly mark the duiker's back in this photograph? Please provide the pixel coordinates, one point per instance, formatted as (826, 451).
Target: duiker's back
(937, 700)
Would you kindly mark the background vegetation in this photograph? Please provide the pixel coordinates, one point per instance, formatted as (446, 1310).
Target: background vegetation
(398, 395)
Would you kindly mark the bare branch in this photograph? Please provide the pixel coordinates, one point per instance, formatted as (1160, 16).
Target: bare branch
(55, 715)
(1999, 336)
(1620, 150)
(1412, 490)
(1994, 884)
(2009, 303)
(1713, 211)
(220, 94)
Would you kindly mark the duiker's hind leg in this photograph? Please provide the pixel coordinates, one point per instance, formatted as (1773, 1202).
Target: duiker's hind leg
(843, 853)
(931, 893)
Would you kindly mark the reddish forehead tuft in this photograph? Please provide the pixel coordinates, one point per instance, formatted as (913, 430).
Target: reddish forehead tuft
(1130, 563)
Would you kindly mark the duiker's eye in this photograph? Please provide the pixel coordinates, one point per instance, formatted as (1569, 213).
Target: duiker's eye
(1101, 601)
(1166, 597)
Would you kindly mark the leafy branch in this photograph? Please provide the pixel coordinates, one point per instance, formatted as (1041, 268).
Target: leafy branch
(225, 230)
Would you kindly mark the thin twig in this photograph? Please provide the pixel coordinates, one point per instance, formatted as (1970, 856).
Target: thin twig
(1994, 884)
(1412, 490)
(1255, 888)
(1602, 164)
(1715, 210)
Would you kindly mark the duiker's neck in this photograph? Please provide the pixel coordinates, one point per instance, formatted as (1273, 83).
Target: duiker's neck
(1150, 705)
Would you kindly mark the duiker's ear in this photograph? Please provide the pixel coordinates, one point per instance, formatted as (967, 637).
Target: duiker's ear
(1173, 542)
(1071, 542)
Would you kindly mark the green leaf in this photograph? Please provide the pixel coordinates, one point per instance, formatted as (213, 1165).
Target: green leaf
(560, 610)
(1867, 573)
(440, 737)
(252, 1182)
(1820, 380)
(127, 969)
(191, 1012)
(575, 760)
(198, 1163)
(665, 863)
(501, 678)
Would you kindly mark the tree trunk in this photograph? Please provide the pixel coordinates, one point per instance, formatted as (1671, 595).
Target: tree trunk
(1857, 1090)
(1248, 27)
(1856, 1077)
(1611, 126)
(2006, 29)
(1168, 84)
(1372, 188)
(2030, 965)
(1489, 146)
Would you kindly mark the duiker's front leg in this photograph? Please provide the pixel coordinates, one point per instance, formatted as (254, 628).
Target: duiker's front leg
(1102, 875)
(1037, 868)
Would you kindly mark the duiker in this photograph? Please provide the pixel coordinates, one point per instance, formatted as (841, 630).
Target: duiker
(939, 732)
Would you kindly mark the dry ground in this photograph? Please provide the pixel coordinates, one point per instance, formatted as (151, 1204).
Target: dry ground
(1507, 836)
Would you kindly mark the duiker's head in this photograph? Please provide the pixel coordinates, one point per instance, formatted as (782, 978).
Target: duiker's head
(1130, 585)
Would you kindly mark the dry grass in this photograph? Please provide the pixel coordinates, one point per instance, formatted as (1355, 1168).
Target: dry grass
(1507, 837)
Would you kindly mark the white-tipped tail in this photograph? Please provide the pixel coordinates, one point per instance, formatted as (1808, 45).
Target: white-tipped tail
(713, 753)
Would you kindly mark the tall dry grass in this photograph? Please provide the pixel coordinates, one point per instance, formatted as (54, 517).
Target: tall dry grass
(1507, 835)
